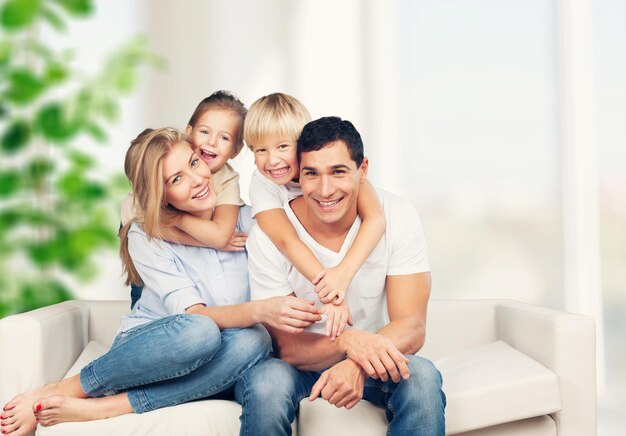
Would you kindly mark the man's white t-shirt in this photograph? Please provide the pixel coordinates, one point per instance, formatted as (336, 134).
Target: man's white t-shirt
(266, 195)
(402, 250)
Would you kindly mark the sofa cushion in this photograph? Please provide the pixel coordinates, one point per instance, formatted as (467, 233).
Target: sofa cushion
(92, 351)
(198, 418)
(487, 385)
(494, 384)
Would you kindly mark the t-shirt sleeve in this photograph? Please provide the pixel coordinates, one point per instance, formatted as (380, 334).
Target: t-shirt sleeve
(267, 267)
(162, 272)
(226, 183)
(409, 250)
(265, 195)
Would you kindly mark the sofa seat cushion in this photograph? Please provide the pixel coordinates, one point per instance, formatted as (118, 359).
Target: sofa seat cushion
(493, 384)
(485, 386)
(197, 418)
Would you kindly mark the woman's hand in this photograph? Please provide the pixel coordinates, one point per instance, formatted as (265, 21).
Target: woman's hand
(289, 314)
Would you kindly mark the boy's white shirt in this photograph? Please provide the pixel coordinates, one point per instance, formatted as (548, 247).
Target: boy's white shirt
(266, 195)
(402, 250)
(225, 183)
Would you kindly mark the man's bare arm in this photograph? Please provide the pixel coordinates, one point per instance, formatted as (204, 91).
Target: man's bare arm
(407, 300)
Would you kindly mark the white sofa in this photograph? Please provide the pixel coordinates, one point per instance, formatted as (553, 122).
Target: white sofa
(508, 368)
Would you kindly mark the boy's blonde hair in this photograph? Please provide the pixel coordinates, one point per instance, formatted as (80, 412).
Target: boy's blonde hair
(143, 167)
(226, 101)
(275, 115)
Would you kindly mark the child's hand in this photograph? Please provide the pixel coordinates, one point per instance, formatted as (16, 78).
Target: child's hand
(331, 285)
(237, 242)
(337, 315)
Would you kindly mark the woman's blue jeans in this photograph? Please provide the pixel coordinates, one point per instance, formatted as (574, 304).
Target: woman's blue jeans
(173, 360)
(271, 391)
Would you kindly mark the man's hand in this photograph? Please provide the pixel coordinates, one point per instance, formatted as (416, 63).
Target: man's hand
(341, 384)
(376, 354)
(289, 314)
(336, 318)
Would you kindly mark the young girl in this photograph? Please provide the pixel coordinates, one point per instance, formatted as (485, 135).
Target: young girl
(193, 333)
(216, 132)
(271, 131)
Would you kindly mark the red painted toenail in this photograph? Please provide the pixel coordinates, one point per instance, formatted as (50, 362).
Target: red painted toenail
(38, 408)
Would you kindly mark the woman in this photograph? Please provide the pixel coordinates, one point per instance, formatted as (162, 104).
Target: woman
(193, 332)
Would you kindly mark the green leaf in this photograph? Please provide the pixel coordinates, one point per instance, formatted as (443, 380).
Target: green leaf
(53, 19)
(77, 7)
(80, 161)
(10, 183)
(53, 123)
(16, 14)
(40, 167)
(96, 132)
(108, 109)
(15, 137)
(24, 86)
(39, 293)
(45, 253)
(5, 51)
(79, 189)
(3, 110)
(125, 80)
(55, 73)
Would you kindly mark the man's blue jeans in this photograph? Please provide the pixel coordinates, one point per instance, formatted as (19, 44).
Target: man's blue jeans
(173, 360)
(271, 391)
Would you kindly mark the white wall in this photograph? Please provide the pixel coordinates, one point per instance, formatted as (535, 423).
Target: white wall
(458, 104)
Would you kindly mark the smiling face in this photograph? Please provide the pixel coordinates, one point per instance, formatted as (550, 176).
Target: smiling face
(276, 159)
(214, 136)
(187, 179)
(330, 182)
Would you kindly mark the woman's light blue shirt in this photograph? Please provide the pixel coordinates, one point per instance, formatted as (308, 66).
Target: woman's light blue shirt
(178, 276)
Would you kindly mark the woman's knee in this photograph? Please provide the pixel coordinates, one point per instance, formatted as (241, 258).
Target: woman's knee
(199, 334)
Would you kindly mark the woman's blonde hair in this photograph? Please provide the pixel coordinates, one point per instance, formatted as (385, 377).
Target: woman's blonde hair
(143, 167)
(276, 114)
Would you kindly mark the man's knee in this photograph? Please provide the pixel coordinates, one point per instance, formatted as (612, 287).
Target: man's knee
(425, 382)
(267, 381)
(254, 341)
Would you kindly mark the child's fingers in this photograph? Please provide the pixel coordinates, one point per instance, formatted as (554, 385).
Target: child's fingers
(330, 319)
(338, 321)
(342, 325)
(323, 294)
(319, 276)
(330, 296)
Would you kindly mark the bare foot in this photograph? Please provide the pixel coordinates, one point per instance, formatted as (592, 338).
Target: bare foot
(57, 408)
(18, 417)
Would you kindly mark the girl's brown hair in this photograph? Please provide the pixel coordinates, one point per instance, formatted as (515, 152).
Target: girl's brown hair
(226, 101)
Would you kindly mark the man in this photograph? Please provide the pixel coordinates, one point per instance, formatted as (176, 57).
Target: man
(388, 299)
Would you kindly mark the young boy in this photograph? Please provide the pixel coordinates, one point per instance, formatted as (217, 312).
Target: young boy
(271, 130)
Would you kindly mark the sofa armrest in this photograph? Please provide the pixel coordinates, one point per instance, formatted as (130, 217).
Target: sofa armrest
(564, 343)
(39, 346)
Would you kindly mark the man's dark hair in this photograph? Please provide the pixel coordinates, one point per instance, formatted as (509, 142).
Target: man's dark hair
(318, 133)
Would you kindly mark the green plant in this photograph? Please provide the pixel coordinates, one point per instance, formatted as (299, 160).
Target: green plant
(56, 210)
